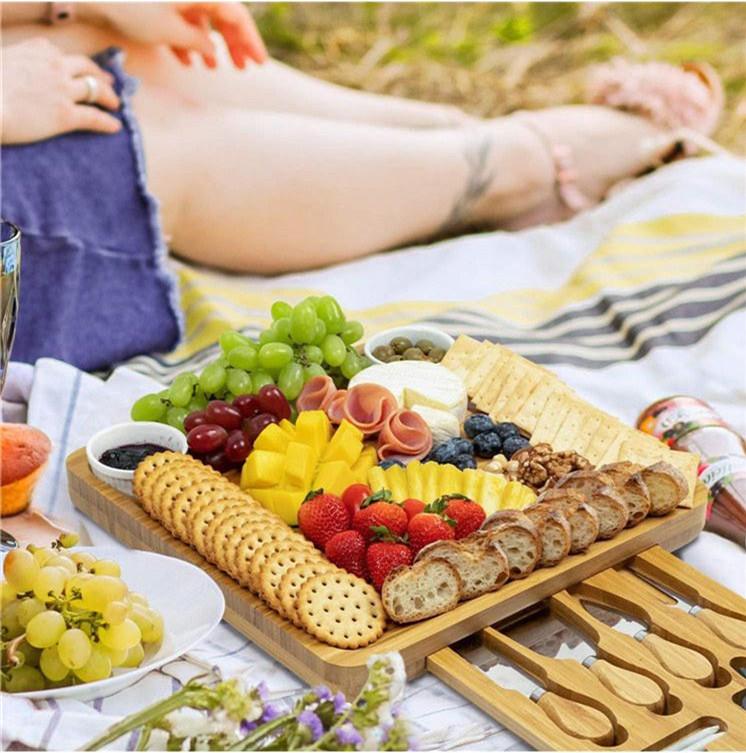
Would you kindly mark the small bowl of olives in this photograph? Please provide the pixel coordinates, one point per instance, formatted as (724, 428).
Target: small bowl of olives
(416, 342)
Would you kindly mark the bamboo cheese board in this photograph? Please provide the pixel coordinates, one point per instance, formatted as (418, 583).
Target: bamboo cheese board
(123, 518)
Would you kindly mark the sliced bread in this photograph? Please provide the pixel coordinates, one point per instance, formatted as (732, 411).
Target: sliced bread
(481, 570)
(517, 536)
(555, 532)
(627, 478)
(667, 486)
(583, 519)
(600, 494)
(415, 592)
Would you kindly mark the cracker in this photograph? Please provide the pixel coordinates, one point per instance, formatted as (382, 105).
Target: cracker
(165, 489)
(528, 414)
(259, 561)
(483, 361)
(570, 429)
(291, 584)
(551, 418)
(458, 353)
(222, 527)
(276, 565)
(249, 546)
(519, 393)
(489, 388)
(615, 432)
(148, 465)
(341, 610)
(191, 499)
(588, 429)
(197, 523)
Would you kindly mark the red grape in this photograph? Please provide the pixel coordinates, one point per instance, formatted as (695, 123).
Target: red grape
(195, 418)
(256, 425)
(220, 413)
(237, 446)
(273, 401)
(206, 438)
(218, 460)
(247, 405)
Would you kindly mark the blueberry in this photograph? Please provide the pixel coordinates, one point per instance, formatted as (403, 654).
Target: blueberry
(461, 446)
(391, 461)
(478, 424)
(465, 461)
(512, 444)
(444, 453)
(488, 444)
(507, 429)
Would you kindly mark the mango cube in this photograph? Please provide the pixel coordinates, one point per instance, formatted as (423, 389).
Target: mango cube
(313, 428)
(262, 469)
(367, 460)
(282, 502)
(346, 444)
(333, 477)
(272, 438)
(288, 427)
(300, 464)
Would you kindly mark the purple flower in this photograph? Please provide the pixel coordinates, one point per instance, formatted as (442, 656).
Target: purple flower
(247, 727)
(322, 692)
(271, 711)
(348, 735)
(312, 723)
(340, 703)
(262, 691)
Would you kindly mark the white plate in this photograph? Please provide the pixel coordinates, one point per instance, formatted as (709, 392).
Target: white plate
(189, 600)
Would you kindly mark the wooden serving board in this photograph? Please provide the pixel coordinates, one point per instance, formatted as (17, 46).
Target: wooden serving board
(314, 661)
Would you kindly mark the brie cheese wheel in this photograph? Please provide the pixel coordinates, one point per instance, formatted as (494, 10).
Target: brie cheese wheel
(416, 383)
(443, 425)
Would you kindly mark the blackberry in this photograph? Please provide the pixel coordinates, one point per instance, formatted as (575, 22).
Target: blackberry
(465, 461)
(512, 444)
(488, 444)
(478, 424)
(507, 429)
(391, 461)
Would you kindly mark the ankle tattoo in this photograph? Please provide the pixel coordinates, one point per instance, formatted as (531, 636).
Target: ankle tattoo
(480, 176)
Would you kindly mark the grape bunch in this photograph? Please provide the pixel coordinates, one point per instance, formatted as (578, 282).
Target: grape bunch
(311, 339)
(69, 618)
(222, 435)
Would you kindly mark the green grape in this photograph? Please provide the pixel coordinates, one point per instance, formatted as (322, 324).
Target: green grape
(99, 590)
(28, 654)
(334, 350)
(117, 658)
(23, 680)
(98, 667)
(63, 561)
(259, 379)
(231, 339)
(312, 353)
(198, 402)
(12, 628)
(51, 665)
(266, 336)
(148, 408)
(351, 332)
(312, 370)
(330, 312)
(212, 379)
(115, 612)
(319, 333)
(275, 355)
(313, 300)
(68, 539)
(125, 635)
(74, 648)
(243, 357)
(303, 323)
(175, 417)
(106, 567)
(150, 623)
(291, 380)
(20, 569)
(238, 382)
(281, 330)
(180, 391)
(83, 559)
(7, 593)
(29, 608)
(280, 309)
(42, 554)
(76, 582)
(135, 598)
(45, 628)
(351, 365)
(134, 656)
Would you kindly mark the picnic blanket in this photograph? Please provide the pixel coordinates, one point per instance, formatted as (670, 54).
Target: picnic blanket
(637, 299)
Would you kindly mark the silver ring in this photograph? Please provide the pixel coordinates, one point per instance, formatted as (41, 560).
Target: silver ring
(91, 84)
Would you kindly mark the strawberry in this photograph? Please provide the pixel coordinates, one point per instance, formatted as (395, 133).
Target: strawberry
(321, 516)
(384, 555)
(377, 511)
(426, 527)
(354, 496)
(346, 549)
(412, 507)
(468, 515)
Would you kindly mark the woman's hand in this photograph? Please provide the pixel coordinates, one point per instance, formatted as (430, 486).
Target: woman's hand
(45, 93)
(185, 28)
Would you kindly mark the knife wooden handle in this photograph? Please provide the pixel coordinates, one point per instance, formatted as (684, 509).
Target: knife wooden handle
(680, 660)
(577, 719)
(730, 629)
(630, 686)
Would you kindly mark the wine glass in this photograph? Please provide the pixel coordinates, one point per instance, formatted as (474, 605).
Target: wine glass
(10, 271)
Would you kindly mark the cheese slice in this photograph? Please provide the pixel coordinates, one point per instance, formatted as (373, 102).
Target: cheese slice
(418, 383)
(443, 425)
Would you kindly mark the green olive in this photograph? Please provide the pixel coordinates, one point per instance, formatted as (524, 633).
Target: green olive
(395, 358)
(413, 354)
(400, 344)
(425, 345)
(436, 355)
(383, 352)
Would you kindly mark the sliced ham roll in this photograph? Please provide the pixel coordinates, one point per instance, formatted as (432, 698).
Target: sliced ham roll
(335, 407)
(406, 435)
(316, 394)
(369, 406)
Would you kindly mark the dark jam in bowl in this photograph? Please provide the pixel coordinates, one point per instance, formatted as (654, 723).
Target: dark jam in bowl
(126, 457)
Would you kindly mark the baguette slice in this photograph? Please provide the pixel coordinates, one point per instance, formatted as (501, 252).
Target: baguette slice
(481, 570)
(600, 494)
(583, 519)
(415, 592)
(517, 536)
(555, 532)
(667, 486)
(631, 487)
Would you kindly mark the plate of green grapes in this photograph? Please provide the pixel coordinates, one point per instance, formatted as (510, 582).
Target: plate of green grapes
(86, 622)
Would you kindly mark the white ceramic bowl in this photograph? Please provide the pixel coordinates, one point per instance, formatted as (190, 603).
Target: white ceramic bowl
(133, 432)
(190, 612)
(413, 332)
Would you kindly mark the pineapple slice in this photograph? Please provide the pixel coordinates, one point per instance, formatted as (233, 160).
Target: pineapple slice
(414, 480)
(396, 482)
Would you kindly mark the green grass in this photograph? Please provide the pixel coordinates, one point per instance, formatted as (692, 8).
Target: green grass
(492, 58)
